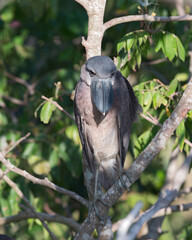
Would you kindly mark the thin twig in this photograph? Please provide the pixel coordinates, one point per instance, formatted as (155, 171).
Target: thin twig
(157, 123)
(59, 107)
(163, 85)
(44, 182)
(30, 87)
(154, 62)
(4, 173)
(15, 100)
(17, 143)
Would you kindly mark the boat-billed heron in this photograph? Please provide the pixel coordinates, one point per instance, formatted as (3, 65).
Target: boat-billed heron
(105, 108)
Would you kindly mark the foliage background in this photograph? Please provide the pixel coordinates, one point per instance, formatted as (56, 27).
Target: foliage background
(40, 42)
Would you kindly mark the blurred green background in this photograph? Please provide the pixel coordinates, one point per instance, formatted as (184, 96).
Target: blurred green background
(40, 45)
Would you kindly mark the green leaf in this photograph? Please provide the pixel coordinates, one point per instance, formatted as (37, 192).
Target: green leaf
(155, 95)
(46, 112)
(13, 201)
(170, 45)
(172, 87)
(180, 133)
(126, 42)
(182, 77)
(72, 133)
(139, 86)
(130, 42)
(147, 98)
(5, 207)
(180, 49)
(138, 58)
(152, 84)
(118, 62)
(125, 70)
(120, 45)
(158, 99)
(139, 96)
(7, 15)
(54, 158)
(133, 63)
(141, 142)
(142, 37)
(38, 165)
(158, 40)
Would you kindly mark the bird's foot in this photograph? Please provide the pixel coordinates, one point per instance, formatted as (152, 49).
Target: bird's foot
(123, 181)
(95, 200)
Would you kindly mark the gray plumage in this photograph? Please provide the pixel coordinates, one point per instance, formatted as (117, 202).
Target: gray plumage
(105, 108)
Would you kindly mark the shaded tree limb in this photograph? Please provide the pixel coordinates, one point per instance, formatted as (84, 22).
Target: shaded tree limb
(161, 213)
(24, 215)
(105, 231)
(173, 209)
(43, 182)
(21, 195)
(167, 196)
(127, 222)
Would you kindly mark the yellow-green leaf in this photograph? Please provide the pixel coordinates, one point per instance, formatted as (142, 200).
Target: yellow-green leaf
(172, 87)
(180, 49)
(46, 112)
(180, 132)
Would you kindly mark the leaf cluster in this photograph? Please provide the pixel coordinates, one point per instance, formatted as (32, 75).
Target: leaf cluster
(135, 45)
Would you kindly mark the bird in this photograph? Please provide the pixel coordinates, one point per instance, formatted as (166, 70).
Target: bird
(105, 107)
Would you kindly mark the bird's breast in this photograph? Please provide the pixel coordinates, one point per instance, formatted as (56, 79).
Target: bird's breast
(104, 137)
(101, 131)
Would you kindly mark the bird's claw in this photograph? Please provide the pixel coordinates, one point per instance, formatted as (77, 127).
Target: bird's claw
(98, 199)
(122, 180)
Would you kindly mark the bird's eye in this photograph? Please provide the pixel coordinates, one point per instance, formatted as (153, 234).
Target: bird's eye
(92, 73)
(112, 74)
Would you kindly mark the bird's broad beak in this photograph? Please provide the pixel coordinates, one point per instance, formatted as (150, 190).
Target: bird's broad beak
(102, 94)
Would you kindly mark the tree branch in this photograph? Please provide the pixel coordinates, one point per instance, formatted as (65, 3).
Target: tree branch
(172, 209)
(46, 217)
(30, 87)
(44, 182)
(167, 196)
(15, 100)
(125, 223)
(147, 18)
(16, 143)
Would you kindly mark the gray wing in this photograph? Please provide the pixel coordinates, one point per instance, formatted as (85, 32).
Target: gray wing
(127, 115)
(86, 147)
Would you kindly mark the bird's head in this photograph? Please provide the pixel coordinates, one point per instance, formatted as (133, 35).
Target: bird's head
(101, 75)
